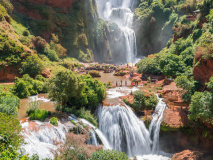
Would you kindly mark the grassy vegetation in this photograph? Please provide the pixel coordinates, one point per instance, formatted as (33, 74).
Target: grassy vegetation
(54, 121)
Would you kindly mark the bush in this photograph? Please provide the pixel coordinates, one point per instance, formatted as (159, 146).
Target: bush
(94, 73)
(108, 154)
(26, 86)
(7, 5)
(189, 86)
(10, 50)
(149, 66)
(32, 66)
(39, 44)
(10, 137)
(64, 86)
(32, 106)
(26, 33)
(70, 89)
(39, 114)
(144, 100)
(9, 103)
(159, 88)
(50, 53)
(57, 47)
(54, 121)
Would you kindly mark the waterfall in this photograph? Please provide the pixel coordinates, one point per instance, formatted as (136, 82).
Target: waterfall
(154, 128)
(41, 138)
(119, 12)
(99, 133)
(126, 133)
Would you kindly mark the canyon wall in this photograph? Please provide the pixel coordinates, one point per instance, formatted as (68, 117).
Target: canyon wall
(76, 22)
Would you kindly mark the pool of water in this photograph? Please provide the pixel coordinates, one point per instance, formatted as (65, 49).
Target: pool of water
(45, 104)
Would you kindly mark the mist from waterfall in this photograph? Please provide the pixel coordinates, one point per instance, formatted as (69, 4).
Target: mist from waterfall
(119, 12)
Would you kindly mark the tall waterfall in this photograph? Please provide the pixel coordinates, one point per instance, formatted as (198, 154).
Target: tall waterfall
(119, 12)
(126, 133)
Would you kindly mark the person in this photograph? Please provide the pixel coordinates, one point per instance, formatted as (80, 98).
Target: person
(131, 84)
(127, 65)
(121, 82)
(125, 82)
(109, 82)
(116, 83)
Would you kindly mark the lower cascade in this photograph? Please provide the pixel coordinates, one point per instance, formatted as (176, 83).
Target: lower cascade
(119, 129)
(126, 133)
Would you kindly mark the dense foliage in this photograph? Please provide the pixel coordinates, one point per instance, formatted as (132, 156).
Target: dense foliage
(10, 51)
(70, 89)
(10, 137)
(201, 107)
(26, 86)
(54, 121)
(108, 154)
(9, 103)
(32, 66)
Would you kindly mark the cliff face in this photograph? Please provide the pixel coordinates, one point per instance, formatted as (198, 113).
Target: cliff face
(204, 71)
(76, 22)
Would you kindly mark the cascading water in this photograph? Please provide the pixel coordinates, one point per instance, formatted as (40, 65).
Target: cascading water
(126, 133)
(154, 128)
(124, 130)
(119, 12)
(41, 138)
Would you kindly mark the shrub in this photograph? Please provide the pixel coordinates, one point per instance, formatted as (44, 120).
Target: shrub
(73, 122)
(144, 100)
(149, 66)
(50, 53)
(10, 137)
(94, 73)
(54, 121)
(10, 50)
(70, 89)
(9, 103)
(26, 33)
(32, 66)
(26, 86)
(108, 154)
(189, 86)
(64, 86)
(39, 44)
(32, 106)
(58, 48)
(39, 114)
(7, 5)
(159, 88)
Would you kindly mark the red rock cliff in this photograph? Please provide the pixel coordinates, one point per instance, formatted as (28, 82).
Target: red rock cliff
(204, 71)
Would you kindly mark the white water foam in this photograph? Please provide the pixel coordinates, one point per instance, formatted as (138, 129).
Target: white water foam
(119, 12)
(126, 133)
(42, 138)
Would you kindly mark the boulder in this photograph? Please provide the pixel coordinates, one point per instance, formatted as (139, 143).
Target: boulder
(188, 155)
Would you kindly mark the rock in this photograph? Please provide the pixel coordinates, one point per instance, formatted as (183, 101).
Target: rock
(188, 155)
(9, 73)
(204, 71)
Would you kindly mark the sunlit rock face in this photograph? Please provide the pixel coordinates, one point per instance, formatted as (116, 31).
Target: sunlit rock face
(120, 13)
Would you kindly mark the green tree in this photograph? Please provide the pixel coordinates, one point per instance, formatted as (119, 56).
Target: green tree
(189, 86)
(32, 66)
(64, 86)
(149, 66)
(144, 100)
